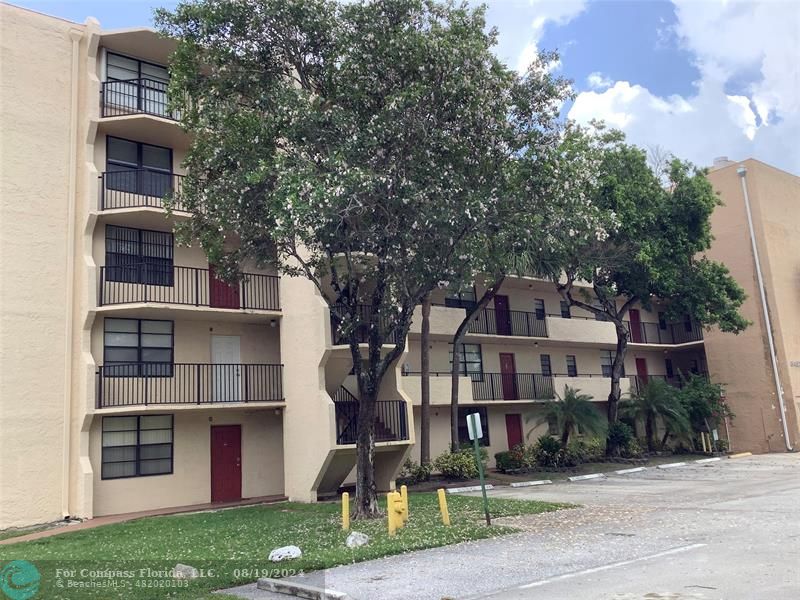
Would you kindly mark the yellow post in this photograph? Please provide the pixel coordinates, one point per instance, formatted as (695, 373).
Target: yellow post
(345, 511)
(443, 507)
(404, 496)
(390, 514)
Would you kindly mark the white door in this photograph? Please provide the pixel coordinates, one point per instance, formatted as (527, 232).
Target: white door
(227, 369)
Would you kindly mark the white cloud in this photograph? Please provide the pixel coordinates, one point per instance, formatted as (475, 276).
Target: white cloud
(597, 81)
(731, 42)
(557, 12)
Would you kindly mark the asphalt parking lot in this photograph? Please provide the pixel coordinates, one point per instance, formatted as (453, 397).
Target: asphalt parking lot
(722, 530)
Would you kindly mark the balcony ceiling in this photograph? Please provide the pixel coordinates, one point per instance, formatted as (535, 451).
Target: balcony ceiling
(139, 42)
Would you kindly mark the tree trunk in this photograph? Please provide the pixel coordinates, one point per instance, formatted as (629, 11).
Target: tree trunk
(565, 434)
(458, 339)
(425, 381)
(366, 501)
(650, 433)
(665, 438)
(616, 374)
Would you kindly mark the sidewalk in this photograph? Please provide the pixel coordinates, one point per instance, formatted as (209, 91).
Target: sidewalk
(60, 528)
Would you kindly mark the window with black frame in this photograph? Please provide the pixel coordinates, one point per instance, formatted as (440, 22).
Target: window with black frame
(464, 298)
(138, 348)
(565, 310)
(572, 366)
(463, 431)
(607, 363)
(138, 85)
(137, 168)
(137, 446)
(538, 308)
(139, 256)
(544, 361)
(470, 361)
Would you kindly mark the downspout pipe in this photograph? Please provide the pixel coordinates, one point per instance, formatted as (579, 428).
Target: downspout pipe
(69, 303)
(742, 172)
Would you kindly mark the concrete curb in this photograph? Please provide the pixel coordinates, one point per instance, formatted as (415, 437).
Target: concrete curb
(633, 470)
(740, 455)
(517, 484)
(708, 460)
(672, 465)
(469, 488)
(299, 590)
(590, 476)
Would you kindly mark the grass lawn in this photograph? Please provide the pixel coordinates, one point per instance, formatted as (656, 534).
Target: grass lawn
(232, 546)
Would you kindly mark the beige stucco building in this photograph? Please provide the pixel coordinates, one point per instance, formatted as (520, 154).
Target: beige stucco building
(131, 378)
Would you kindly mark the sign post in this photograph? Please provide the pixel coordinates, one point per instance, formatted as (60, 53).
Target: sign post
(475, 433)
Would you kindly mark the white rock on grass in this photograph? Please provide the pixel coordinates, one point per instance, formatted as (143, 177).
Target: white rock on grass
(285, 553)
(357, 539)
(185, 572)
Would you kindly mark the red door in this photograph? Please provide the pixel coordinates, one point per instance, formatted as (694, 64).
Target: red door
(502, 315)
(226, 463)
(514, 430)
(636, 326)
(641, 371)
(221, 293)
(508, 374)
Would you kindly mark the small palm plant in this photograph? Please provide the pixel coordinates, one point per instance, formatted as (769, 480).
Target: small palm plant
(657, 401)
(571, 411)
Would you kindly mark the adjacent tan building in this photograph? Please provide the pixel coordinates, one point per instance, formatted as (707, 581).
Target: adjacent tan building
(131, 378)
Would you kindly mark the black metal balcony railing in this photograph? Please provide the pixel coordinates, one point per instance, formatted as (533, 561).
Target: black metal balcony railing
(187, 286)
(638, 382)
(509, 322)
(136, 96)
(137, 188)
(144, 384)
(390, 421)
(513, 386)
(670, 333)
(364, 315)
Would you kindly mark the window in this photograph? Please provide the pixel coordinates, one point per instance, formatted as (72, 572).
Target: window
(460, 298)
(137, 348)
(694, 366)
(572, 366)
(471, 361)
(662, 321)
(552, 426)
(138, 256)
(137, 446)
(565, 310)
(544, 359)
(463, 432)
(687, 323)
(142, 85)
(538, 308)
(138, 168)
(668, 367)
(607, 363)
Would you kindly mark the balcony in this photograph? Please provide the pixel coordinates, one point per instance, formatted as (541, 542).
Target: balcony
(149, 384)
(637, 382)
(364, 316)
(440, 384)
(512, 386)
(596, 385)
(138, 188)
(136, 96)
(668, 333)
(491, 321)
(187, 286)
(391, 424)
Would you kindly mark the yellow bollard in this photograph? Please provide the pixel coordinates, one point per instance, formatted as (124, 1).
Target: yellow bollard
(345, 511)
(394, 512)
(404, 496)
(443, 507)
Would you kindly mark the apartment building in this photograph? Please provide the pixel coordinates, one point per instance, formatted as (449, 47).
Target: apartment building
(133, 378)
(757, 235)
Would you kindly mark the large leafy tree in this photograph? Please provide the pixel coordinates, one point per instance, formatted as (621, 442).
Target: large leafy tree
(651, 247)
(360, 145)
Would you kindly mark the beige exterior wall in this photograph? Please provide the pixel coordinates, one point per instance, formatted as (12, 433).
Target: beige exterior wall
(742, 362)
(190, 482)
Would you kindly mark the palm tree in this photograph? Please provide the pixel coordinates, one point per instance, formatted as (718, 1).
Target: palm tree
(572, 410)
(657, 400)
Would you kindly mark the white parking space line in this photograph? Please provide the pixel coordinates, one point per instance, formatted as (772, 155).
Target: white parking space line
(615, 565)
(633, 470)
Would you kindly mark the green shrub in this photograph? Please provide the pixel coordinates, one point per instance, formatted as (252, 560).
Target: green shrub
(618, 436)
(457, 465)
(548, 452)
(721, 445)
(511, 459)
(633, 449)
(412, 472)
(581, 451)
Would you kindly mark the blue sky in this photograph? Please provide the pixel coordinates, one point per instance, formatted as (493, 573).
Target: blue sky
(699, 78)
